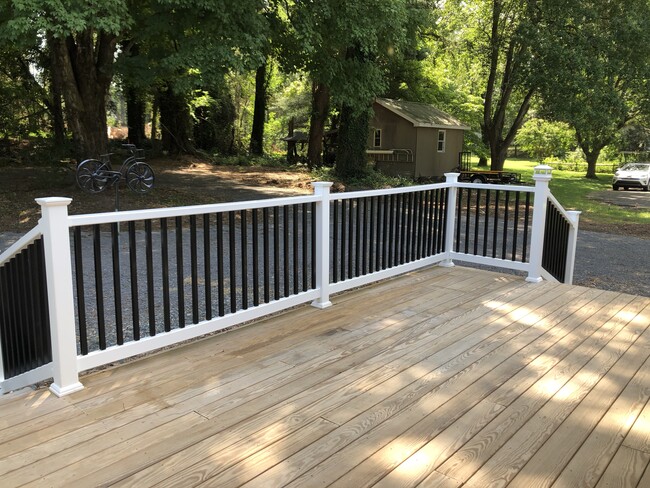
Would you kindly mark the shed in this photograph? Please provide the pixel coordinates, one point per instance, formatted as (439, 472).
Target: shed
(414, 139)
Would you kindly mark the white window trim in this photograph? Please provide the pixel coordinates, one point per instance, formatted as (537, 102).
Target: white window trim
(374, 138)
(443, 140)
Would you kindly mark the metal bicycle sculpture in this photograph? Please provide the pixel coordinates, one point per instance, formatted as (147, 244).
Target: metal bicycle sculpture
(95, 175)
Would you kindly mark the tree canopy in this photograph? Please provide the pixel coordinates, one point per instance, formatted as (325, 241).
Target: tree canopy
(215, 75)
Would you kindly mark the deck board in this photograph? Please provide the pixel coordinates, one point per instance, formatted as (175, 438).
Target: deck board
(442, 377)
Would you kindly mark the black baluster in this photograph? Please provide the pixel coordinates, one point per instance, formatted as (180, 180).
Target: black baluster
(81, 299)
(244, 259)
(180, 272)
(164, 257)
(221, 281)
(194, 265)
(117, 283)
(99, 287)
(207, 271)
(151, 303)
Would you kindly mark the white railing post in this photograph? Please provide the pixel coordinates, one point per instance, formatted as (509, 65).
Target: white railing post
(58, 267)
(452, 193)
(322, 262)
(574, 220)
(542, 176)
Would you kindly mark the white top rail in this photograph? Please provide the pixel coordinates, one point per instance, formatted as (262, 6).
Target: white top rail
(561, 209)
(496, 186)
(20, 244)
(159, 213)
(387, 191)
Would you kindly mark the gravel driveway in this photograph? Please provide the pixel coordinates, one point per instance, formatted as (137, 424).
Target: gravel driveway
(612, 262)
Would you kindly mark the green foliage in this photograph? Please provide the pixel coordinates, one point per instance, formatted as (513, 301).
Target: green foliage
(214, 117)
(63, 18)
(20, 112)
(351, 157)
(369, 179)
(290, 99)
(599, 54)
(320, 34)
(542, 139)
(574, 192)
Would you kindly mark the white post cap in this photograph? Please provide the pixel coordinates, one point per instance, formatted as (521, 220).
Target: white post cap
(542, 172)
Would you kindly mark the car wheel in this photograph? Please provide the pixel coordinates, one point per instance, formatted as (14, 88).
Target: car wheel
(626, 188)
(614, 187)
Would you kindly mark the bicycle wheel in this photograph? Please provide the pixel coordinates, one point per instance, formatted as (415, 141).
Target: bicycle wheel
(140, 177)
(91, 176)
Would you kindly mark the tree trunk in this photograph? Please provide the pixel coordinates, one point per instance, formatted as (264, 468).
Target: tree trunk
(135, 117)
(85, 65)
(592, 159)
(498, 154)
(58, 122)
(591, 153)
(174, 122)
(259, 113)
(154, 126)
(320, 101)
(351, 158)
(135, 105)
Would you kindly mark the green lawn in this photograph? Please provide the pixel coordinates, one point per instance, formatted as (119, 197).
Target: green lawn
(572, 189)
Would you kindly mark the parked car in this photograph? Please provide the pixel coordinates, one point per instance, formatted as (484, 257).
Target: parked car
(632, 175)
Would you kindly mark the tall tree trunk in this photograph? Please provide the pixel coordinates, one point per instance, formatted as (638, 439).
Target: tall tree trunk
(591, 153)
(174, 122)
(135, 117)
(154, 125)
(85, 64)
(351, 158)
(494, 126)
(592, 159)
(259, 112)
(58, 122)
(498, 154)
(135, 105)
(320, 101)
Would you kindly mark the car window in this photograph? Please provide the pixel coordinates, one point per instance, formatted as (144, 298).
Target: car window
(636, 167)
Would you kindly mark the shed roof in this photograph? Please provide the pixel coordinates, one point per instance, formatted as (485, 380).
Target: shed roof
(422, 114)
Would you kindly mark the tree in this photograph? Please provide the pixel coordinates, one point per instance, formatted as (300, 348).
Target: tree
(259, 112)
(499, 34)
(82, 38)
(344, 47)
(542, 139)
(600, 55)
(187, 46)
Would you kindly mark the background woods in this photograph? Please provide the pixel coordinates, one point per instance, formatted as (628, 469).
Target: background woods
(556, 78)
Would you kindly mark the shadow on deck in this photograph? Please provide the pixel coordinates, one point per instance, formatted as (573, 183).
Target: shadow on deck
(442, 377)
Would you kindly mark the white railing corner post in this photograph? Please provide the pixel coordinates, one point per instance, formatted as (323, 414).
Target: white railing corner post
(542, 176)
(322, 262)
(452, 194)
(58, 267)
(574, 220)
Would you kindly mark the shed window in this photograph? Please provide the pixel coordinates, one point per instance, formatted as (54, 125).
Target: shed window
(442, 137)
(377, 138)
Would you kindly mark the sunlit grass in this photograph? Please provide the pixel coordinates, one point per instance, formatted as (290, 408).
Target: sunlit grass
(572, 190)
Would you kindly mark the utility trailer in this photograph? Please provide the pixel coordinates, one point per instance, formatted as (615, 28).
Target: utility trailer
(474, 175)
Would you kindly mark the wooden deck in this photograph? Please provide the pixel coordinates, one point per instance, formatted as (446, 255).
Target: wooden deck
(443, 377)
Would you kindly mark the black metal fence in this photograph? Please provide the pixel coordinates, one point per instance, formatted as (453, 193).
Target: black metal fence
(155, 275)
(24, 313)
(370, 234)
(493, 223)
(556, 242)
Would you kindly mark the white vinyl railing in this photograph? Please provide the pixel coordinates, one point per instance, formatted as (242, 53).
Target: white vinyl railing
(390, 229)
